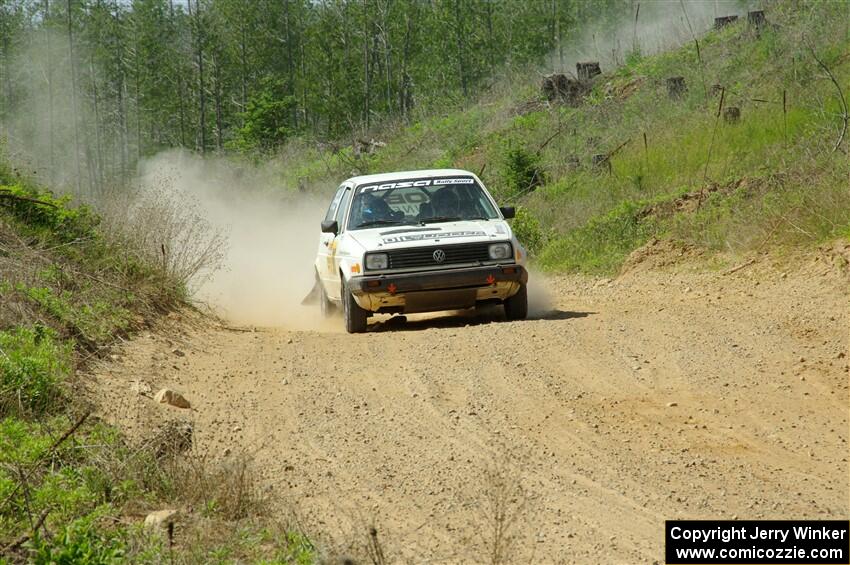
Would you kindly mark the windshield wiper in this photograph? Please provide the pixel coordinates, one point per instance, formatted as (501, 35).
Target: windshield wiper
(379, 223)
(436, 219)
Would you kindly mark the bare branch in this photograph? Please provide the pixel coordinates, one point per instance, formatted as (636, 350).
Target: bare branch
(845, 116)
(10, 196)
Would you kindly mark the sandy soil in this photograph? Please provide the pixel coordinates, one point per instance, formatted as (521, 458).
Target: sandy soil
(666, 393)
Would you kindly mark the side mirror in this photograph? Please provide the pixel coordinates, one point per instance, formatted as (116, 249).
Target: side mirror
(330, 226)
(508, 212)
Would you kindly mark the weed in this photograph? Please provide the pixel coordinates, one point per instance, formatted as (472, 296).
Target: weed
(527, 229)
(521, 170)
(32, 368)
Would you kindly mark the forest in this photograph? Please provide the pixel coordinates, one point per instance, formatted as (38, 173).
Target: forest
(115, 81)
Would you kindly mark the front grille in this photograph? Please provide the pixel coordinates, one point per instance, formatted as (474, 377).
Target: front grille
(424, 256)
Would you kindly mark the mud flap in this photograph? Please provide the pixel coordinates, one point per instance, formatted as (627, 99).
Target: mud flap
(313, 296)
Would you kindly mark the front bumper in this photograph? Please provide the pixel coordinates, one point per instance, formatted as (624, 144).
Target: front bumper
(473, 277)
(437, 290)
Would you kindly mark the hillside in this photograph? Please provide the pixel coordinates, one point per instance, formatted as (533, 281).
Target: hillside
(73, 488)
(690, 252)
(776, 178)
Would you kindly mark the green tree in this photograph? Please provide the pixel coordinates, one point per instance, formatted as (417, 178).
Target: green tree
(267, 120)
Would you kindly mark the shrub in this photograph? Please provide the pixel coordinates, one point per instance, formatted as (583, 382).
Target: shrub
(41, 212)
(268, 118)
(32, 367)
(521, 170)
(80, 543)
(527, 229)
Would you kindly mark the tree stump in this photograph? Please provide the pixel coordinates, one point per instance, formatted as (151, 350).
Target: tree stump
(558, 87)
(586, 71)
(756, 19)
(601, 162)
(552, 86)
(724, 21)
(731, 114)
(676, 87)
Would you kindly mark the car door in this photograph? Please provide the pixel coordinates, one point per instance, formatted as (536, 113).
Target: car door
(324, 258)
(334, 283)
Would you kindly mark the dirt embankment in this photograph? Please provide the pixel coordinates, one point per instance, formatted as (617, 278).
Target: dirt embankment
(657, 395)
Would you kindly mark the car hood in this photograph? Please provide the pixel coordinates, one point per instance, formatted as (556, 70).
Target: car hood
(393, 237)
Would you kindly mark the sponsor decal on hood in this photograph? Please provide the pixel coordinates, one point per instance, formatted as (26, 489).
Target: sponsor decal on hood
(432, 235)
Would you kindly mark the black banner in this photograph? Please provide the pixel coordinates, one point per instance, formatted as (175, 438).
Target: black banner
(814, 542)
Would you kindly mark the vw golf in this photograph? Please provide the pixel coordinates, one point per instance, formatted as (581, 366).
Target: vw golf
(417, 241)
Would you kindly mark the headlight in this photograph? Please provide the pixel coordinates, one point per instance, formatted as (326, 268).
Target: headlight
(500, 251)
(377, 261)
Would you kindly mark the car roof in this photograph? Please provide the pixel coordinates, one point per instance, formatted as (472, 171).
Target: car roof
(402, 175)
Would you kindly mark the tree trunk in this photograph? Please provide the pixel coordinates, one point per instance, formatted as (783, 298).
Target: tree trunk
(243, 64)
(202, 99)
(98, 161)
(404, 96)
(219, 136)
(52, 147)
(460, 50)
(491, 57)
(74, 96)
(366, 85)
(180, 96)
(290, 68)
(387, 56)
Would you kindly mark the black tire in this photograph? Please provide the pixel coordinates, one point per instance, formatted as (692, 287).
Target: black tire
(516, 307)
(355, 316)
(327, 307)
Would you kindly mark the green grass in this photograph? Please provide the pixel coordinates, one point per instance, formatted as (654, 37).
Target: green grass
(587, 217)
(67, 291)
(32, 368)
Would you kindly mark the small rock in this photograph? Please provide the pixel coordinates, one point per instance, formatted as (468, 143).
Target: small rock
(672, 404)
(178, 353)
(140, 387)
(174, 398)
(161, 518)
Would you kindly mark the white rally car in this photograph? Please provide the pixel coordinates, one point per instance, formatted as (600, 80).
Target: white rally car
(417, 241)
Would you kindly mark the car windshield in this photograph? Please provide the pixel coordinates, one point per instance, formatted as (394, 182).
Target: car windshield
(420, 201)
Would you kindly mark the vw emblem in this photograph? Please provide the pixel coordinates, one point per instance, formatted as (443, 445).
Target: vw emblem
(439, 256)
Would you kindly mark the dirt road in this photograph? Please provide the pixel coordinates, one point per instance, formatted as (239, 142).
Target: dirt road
(657, 395)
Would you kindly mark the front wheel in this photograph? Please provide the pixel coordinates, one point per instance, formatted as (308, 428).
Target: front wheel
(516, 307)
(355, 316)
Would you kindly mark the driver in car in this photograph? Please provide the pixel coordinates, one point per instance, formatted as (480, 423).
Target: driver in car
(446, 203)
(374, 209)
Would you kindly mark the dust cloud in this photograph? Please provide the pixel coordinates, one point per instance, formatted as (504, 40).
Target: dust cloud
(271, 235)
(540, 301)
(660, 26)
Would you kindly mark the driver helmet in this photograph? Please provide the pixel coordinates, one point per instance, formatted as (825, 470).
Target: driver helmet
(446, 202)
(373, 208)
